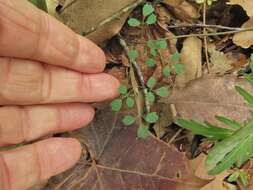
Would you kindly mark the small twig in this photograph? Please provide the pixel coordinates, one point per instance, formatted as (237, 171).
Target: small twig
(138, 72)
(175, 136)
(205, 38)
(210, 34)
(114, 16)
(204, 26)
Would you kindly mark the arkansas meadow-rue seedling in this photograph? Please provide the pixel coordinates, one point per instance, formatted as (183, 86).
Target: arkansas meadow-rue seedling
(154, 90)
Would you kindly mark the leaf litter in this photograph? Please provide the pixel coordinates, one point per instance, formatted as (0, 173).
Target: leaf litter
(114, 157)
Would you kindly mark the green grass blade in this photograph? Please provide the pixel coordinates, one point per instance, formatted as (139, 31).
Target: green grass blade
(205, 130)
(247, 96)
(221, 149)
(228, 160)
(229, 122)
(246, 152)
(249, 78)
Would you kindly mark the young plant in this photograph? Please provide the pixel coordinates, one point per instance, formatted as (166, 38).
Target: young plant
(153, 91)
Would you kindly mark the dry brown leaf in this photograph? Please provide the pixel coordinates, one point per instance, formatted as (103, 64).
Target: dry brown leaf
(209, 96)
(173, 2)
(189, 9)
(219, 184)
(82, 16)
(124, 162)
(221, 63)
(191, 60)
(201, 171)
(245, 39)
(247, 5)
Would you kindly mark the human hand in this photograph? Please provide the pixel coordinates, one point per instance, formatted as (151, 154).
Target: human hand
(47, 75)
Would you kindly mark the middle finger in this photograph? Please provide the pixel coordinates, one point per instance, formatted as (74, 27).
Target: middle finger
(23, 82)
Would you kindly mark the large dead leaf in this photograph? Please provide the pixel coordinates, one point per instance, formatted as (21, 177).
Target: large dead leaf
(247, 5)
(245, 39)
(191, 59)
(124, 162)
(207, 97)
(82, 16)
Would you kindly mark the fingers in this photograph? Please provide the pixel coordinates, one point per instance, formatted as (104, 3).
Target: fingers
(46, 158)
(27, 32)
(18, 124)
(24, 82)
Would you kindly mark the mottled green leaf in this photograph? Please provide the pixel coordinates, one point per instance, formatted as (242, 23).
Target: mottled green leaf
(163, 91)
(151, 19)
(147, 9)
(116, 105)
(166, 71)
(151, 82)
(130, 102)
(143, 132)
(150, 62)
(150, 97)
(128, 120)
(151, 117)
(134, 22)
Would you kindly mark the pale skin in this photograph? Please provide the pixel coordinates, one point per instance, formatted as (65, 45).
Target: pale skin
(48, 75)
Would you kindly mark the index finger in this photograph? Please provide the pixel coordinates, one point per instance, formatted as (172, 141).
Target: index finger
(29, 33)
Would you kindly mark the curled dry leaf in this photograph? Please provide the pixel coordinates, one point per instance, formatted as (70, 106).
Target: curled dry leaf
(82, 16)
(247, 5)
(215, 94)
(191, 60)
(245, 39)
(124, 162)
(189, 9)
(221, 63)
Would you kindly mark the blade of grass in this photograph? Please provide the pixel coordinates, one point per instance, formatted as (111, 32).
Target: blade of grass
(229, 122)
(247, 96)
(221, 149)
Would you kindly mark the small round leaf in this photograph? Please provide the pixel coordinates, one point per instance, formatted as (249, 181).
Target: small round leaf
(161, 44)
(143, 132)
(130, 102)
(151, 19)
(163, 91)
(116, 105)
(122, 89)
(175, 57)
(133, 54)
(151, 117)
(166, 71)
(134, 22)
(147, 9)
(128, 120)
(150, 62)
(151, 82)
(150, 97)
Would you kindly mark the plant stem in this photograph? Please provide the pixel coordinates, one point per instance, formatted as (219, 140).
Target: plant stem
(114, 16)
(210, 34)
(138, 72)
(204, 26)
(205, 38)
